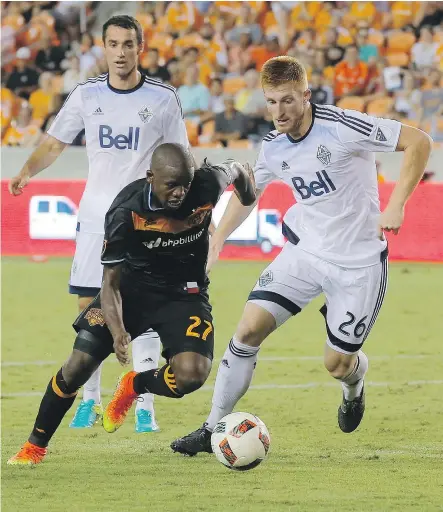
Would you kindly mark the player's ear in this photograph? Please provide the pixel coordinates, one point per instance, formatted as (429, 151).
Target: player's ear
(149, 176)
(307, 96)
(141, 47)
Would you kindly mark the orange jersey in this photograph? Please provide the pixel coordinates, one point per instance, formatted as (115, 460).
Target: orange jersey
(7, 104)
(15, 136)
(346, 77)
(40, 103)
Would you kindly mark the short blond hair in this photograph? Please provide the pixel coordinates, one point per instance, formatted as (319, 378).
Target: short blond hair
(281, 70)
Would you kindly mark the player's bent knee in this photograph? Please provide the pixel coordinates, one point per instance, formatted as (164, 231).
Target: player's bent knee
(340, 366)
(190, 375)
(255, 325)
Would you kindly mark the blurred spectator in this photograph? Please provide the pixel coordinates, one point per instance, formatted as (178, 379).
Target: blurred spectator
(49, 57)
(407, 99)
(432, 97)
(240, 55)
(88, 52)
(72, 76)
(375, 86)
(250, 100)
(194, 96)
(261, 54)
(424, 53)
(392, 75)
(320, 94)
(152, 67)
(216, 100)
(24, 79)
(180, 17)
(282, 13)
(350, 75)
(429, 14)
(21, 132)
(334, 53)
(7, 106)
(55, 107)
(175, 74)
(230, 124)
(243, 25)
(41, 100)
(367, 52)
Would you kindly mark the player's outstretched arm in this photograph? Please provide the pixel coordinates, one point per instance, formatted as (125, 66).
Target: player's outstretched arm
(111, 302)
(42, 157)
(233, 216)
(417, 147)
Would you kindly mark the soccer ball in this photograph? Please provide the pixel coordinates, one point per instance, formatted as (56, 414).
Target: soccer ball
(240, 441)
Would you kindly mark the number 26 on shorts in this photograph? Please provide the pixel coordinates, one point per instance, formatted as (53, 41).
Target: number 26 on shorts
(196, 322)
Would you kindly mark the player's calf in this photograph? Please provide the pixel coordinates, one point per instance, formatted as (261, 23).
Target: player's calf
(350, 369)
(57, 400)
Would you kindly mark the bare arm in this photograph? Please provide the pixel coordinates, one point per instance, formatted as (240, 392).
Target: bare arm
(111, 302)
(417, 147)
(41, 158)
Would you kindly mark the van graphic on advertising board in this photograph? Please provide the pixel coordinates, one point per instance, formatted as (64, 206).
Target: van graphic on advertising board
(263, 227)
(52, 218)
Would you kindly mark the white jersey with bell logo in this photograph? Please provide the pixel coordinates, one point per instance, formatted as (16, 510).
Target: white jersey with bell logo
(122, 129)
(332, 173)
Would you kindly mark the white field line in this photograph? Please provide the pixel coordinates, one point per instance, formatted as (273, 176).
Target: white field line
(6, 364)
(307, 385)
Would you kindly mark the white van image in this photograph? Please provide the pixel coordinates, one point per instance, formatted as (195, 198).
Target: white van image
(263, 227)
(52, 218)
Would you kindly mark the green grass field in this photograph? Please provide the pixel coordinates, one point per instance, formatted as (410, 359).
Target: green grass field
(394, 461)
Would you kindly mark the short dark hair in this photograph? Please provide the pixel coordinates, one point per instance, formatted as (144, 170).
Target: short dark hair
(124, 21)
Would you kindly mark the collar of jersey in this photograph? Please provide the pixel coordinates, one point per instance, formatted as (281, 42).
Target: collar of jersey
(147, 199)
(126, 91)
(296, 141)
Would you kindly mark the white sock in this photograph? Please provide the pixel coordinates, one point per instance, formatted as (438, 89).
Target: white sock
(353, 384)
(233, 379)
(91, 389)
(145, 354)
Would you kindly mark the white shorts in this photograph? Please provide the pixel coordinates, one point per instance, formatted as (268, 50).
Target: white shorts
(87, 270)
(353, 295)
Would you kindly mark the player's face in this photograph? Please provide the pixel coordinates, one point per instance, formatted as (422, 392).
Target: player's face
(121, 50)
(287, 104)
(170, 187)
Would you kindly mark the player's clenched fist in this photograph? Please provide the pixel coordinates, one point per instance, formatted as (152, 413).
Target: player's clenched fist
(121, 344)
(391, 220)
(17, 184)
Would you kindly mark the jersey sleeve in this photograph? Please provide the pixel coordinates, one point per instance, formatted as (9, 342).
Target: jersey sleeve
(263, 175)
(174, 129)
(69, 121)
(360, 132)
(118, 228)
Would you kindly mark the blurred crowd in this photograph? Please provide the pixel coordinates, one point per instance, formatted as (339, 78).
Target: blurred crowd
(383, 58)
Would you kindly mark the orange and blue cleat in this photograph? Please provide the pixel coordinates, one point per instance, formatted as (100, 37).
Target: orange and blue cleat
(118, 408)
(29, 455)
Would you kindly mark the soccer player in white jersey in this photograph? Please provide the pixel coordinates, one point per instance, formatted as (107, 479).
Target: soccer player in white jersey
(125, 116)
(335, 237)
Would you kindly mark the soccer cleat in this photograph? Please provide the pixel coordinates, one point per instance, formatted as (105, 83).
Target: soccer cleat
(28, 455)
(350, 413)
(195, 442)
(118, 408)
(87, 415)
(145, 422)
